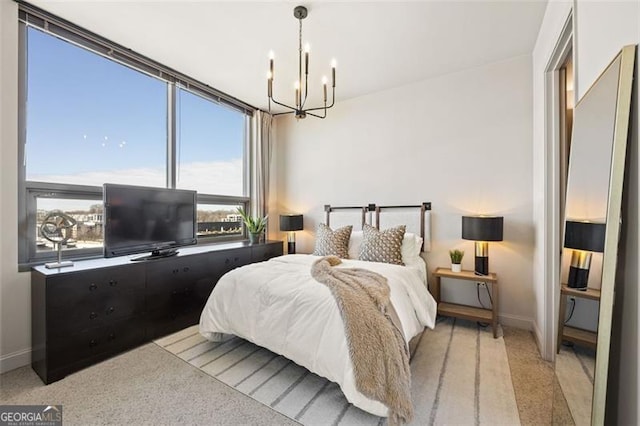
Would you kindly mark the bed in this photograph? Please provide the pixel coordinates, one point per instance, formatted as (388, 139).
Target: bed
(278, 305)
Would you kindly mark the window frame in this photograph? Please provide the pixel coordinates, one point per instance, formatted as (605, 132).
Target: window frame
(29, 191)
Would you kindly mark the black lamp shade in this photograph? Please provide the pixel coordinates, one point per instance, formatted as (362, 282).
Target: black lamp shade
(482, 228)
(291, 222)
(587, 236)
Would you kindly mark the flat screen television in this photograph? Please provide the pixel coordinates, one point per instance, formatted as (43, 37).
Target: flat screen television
(141, 219)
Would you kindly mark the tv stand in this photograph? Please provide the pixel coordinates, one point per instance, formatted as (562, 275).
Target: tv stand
(98, 308)
(157, 254)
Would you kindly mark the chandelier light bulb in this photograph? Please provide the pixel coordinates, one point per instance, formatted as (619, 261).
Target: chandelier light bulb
(324, 80)
(272, 55)
(307, 48)
(269, 75)
(296, 85)
(333, 63)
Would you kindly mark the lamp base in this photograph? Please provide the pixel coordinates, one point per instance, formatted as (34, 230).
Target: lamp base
(482, 265)
(578, 278)
(291, 247)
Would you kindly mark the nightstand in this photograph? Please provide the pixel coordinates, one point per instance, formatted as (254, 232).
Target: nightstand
(463, 311)
(573, 334)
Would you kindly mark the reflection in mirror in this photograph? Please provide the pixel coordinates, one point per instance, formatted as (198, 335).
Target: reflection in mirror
(592, 215)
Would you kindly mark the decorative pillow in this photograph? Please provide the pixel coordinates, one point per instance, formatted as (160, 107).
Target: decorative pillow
(355, 242)
(382, 246)
(332, 243)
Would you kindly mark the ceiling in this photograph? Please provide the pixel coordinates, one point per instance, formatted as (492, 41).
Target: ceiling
(378, 45)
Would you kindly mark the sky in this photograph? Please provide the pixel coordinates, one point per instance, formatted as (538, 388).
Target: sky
(91, 120)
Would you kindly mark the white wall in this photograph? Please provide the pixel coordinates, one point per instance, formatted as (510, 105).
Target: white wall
(601, 30)
(15, 293)
(461, 141)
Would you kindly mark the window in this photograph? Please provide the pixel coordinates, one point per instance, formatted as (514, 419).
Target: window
(95, 113)
(210, 146)
(91, 120)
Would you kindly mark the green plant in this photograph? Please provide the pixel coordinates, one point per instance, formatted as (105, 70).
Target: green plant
(255, 225)
(456, 256)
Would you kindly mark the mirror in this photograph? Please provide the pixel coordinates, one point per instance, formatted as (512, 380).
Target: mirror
(591, 231)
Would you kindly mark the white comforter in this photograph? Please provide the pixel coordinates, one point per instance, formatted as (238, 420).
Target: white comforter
(278, 305)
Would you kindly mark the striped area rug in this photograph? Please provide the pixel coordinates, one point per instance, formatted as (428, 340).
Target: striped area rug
(575, 367)
(460, 375)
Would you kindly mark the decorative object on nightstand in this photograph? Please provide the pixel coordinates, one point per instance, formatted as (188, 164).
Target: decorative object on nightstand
(482, 229)
(456, 260)
(584, 238)
(255, 225)
(291, 223)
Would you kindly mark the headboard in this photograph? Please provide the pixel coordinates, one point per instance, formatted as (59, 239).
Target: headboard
(383, 217)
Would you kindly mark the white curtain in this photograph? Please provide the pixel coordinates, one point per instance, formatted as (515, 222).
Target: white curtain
(261, 150)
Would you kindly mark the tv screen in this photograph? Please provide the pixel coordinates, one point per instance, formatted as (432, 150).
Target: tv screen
(139, 219)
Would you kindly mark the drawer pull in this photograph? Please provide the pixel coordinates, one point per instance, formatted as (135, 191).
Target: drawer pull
(236, 259)
(175, 271)
(93, 287)
(112, 336)
(185, 269)
(113, 283)
(93, 315)
(92, 343)
(227, 261)
(110, 310)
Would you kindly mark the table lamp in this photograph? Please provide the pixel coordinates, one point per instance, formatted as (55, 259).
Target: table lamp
(482, 229)
(584, 238)
(291, 223)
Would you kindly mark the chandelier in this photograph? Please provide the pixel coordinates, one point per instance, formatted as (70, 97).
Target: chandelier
(301, 85)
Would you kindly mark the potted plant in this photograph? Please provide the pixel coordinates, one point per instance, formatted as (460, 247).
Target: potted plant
(255, 225)
(456, 260)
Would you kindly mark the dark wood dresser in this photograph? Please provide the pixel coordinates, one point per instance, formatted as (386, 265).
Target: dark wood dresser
(86, 313)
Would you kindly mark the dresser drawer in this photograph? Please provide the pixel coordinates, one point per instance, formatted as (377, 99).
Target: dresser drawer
(70, 290)
(71, 349)
(262, 252)
(227, 260)
(98, 311)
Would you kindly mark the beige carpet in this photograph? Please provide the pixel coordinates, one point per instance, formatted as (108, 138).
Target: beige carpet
(148, 385)
(460, 375)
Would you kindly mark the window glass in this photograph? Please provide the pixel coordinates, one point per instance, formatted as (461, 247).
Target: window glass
(88, 231)
(210, 146)
(91, 120)
(218, 220)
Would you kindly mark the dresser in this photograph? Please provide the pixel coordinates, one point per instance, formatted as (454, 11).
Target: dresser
(97, 308)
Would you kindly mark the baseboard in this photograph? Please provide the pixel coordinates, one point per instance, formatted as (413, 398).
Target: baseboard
(537, 334)
(15, 360)
(516, 321)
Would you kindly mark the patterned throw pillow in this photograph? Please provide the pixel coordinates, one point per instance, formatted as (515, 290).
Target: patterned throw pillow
(332, 243)
(382, 246)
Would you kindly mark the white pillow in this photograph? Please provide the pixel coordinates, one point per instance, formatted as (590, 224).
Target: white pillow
(411, 245)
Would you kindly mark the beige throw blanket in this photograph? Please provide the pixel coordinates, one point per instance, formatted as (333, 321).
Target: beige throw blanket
(377, 347)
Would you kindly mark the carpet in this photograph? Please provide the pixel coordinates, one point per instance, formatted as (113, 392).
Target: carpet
(460, 375)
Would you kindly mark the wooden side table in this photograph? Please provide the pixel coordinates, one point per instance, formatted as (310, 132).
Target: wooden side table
(574, 334)
(472, 313)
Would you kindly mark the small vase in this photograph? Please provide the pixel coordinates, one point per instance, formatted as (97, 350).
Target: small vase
(254, 238)
(456, 267)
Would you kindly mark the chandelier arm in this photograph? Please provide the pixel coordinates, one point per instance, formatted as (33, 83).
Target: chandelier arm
(319, 108)
(316, 115)
(284, 105)
(306, 85)
(283, 113)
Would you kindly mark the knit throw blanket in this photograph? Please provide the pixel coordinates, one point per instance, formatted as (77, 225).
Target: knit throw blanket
(378, 351)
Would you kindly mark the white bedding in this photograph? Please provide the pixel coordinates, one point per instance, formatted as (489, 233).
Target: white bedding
(278, 305)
